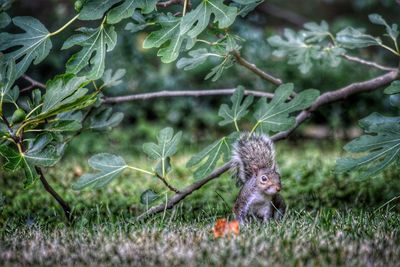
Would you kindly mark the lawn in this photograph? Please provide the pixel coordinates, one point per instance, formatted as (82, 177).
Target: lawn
(332, 219)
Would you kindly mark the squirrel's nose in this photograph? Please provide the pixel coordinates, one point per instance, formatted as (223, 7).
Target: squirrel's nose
(278, 188)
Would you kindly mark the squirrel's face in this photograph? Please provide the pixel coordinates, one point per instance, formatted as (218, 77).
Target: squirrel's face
(269, 182)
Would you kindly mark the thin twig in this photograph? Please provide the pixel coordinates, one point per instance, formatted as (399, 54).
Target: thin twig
(195, 93)
(58, 198)
(252, 67)
(367, 63)
(33, 84)
(167, 184)
(326, 98)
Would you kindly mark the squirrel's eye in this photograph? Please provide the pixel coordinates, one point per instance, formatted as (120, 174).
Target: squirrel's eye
(264, 178)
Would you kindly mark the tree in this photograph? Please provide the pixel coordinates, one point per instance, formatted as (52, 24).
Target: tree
(35, 130)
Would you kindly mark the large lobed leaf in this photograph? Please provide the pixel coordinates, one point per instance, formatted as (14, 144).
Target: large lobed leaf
(95, 43)
(169, 37)
(209, 156)
(109, 167)
(197, 20)
(274, 116)
(32, 45)
(7, 79)
(167, 146)
(380, 144)
(238, 110)
(127, 8)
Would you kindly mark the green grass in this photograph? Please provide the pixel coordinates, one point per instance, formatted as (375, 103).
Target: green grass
(332, 219)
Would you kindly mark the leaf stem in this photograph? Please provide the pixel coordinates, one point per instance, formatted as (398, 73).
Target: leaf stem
(390, 49)
(254, 128)
(236, 126)
(64, 27)
(185, 3)
(139, 170)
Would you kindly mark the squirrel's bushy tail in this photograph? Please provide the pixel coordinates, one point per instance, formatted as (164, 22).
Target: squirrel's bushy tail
(251, 153)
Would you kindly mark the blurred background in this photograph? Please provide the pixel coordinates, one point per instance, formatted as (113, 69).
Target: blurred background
(307, 158)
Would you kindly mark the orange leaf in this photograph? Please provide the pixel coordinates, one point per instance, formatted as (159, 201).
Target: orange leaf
(224, 228)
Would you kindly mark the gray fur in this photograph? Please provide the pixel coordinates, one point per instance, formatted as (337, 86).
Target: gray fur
(252, 152)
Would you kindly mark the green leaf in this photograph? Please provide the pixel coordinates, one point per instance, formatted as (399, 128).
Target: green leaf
(316, 32)
(296, 49)
(12, 157)
(95, 43)
(62, 90)
(127, 9)
(217, 71)
(7, 78)
(105, 119)
(109, 167)
(33, 45)
(43, 151)
(246, 6)
(148, 197)
(393, 88)
(14, 161)
(380, 143)
(61, 126)
(197, 57)
(4, 19)
(391, 30)
(169, 37)
(197, 20)
(274, 116)
(95, 9)
(209, 157)
(167, 146)
(238, 110)
(353, 38)
(110, 79)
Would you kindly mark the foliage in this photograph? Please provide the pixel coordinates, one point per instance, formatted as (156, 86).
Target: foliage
(316, 43)
(381, 142)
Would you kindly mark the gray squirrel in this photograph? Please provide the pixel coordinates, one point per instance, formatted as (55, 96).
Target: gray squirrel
(253, 159)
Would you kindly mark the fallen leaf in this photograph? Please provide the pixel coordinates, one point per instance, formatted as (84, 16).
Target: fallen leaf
(224, 228)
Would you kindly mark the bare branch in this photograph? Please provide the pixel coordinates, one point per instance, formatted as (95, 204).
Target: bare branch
(33, 84)
(326, 98)
(367, 63)
(195, 93)
(252, 67)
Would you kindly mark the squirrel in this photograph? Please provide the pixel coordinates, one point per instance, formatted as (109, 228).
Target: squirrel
(257, 172)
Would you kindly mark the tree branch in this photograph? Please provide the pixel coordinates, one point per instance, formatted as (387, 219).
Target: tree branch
(47, 186)
(367, 63)
(252, 67)
(340, 94)
(195, 93)
(326, 98)
(185, 192)
(33, 84)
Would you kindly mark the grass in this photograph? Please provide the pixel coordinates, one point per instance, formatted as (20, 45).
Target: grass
(333, 220)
